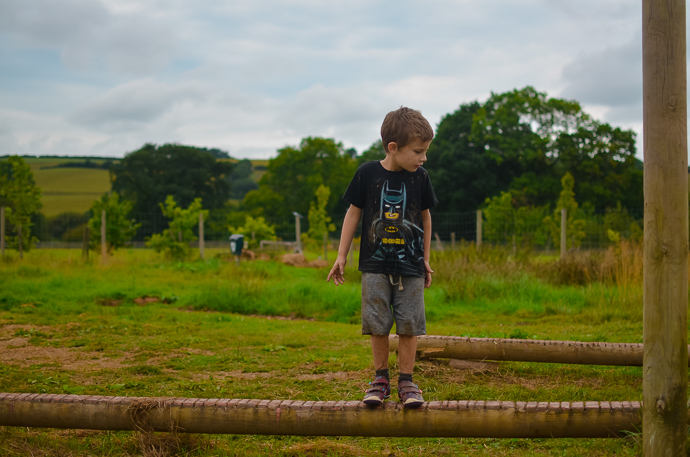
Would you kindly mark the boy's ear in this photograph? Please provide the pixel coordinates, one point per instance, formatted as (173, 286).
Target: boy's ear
(393, 147)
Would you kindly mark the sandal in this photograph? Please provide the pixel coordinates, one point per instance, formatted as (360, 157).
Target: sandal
(379, 391)
(409, 394)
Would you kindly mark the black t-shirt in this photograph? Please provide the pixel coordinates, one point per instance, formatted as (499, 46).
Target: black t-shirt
(392, 203)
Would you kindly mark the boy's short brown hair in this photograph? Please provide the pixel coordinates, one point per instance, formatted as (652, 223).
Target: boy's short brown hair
(403, 124)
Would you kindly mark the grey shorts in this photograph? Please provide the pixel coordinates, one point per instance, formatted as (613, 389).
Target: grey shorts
(384, 303)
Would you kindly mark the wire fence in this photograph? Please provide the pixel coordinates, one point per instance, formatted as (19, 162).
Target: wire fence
(586, 230)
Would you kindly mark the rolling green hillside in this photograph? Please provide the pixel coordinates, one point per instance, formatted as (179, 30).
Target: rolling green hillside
(68, 189)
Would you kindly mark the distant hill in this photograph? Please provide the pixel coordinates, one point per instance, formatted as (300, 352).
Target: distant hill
(72, 184)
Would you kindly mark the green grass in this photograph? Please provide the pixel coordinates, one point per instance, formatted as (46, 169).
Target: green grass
(268, 331)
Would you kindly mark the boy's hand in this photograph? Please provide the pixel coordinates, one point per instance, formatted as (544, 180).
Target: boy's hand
(427, 276)
(338, 271)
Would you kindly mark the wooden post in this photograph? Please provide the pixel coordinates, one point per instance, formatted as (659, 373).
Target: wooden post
(104, 249)
(665, 291)
(479, 228)
(201, 235)
(85, 244)
(452, 241)
(564, 239)
(19, 241)
(298, 241)
(2, 231)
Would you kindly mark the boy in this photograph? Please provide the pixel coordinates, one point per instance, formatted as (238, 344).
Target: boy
(393, 197)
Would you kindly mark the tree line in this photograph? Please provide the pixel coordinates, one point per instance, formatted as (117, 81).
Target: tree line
(511, 151)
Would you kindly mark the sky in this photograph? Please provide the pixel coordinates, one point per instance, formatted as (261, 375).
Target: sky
(104, 77)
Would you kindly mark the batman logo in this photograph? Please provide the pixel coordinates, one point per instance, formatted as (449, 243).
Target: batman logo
(391, 229)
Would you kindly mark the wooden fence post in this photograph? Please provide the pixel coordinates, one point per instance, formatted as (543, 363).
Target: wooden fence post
(19, 241)
(665, 290)
(564, 239)
(85, 244)
(452, 241)
(479, 228)
(201, 235)
(104, 249)
(2, 231)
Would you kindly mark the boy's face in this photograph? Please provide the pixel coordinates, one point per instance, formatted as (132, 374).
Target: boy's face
(411, 156)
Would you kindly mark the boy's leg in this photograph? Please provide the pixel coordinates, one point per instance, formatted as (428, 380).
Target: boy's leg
(379, 349)
(377, 321)
(408, 309)
(407, 351)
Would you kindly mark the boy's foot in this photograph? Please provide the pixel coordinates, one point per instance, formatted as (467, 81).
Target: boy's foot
(380, 390)
(409, 394)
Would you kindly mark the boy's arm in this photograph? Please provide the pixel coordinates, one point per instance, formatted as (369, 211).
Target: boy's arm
(348, 232)
(426, 225)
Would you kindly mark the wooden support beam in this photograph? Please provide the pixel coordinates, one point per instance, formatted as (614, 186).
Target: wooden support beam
(481, 419)
(545, 351)
(665, 291)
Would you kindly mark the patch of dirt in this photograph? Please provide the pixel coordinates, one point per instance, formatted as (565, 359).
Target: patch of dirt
(298, 260)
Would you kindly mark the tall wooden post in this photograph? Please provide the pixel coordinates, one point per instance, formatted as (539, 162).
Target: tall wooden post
(564, 239)
(104, 250)
(201, 235)
(479, 228)
(19, 242)
(2, 231)
(298, 235)
(664, 391)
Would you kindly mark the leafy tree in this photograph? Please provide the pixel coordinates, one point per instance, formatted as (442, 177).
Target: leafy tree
(462, 174)
(119, 227)
(147, 176)
(291, 180)
(241, 179)
(575, 232)
(524, 141)
(255, 231)
(174, 240)
(319, 221)
(21, 198)
(506, 221)
(375, 152)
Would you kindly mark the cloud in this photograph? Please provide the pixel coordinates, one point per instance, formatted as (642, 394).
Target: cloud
(133, 104)
(87, 34)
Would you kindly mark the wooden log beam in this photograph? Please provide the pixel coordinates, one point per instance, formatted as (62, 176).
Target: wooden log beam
(545, 351)
(481, 419)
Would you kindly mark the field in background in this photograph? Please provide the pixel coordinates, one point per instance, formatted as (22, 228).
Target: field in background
(67, 189)
(265, 330)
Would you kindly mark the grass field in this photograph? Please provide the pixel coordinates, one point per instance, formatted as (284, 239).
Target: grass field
(75, 189)
(269, 331)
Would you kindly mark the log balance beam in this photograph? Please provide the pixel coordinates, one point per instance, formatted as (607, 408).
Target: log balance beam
(545, 351)
(478, 419)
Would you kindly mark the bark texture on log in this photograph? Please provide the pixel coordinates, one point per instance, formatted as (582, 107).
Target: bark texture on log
(482, 419)
(545, 351)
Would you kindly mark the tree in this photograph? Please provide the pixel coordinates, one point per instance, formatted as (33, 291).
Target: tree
(319, 221)
(462, 174)
(147, 176)
(119, 228)
(375, 152)
(254, 231)
(21, 197)
(291, 180)
(522, 141)
(174, 240)
(574, 224)
(241, 179)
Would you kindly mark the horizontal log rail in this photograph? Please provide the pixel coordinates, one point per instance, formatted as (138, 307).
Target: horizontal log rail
(545, 351)
(480, 419)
